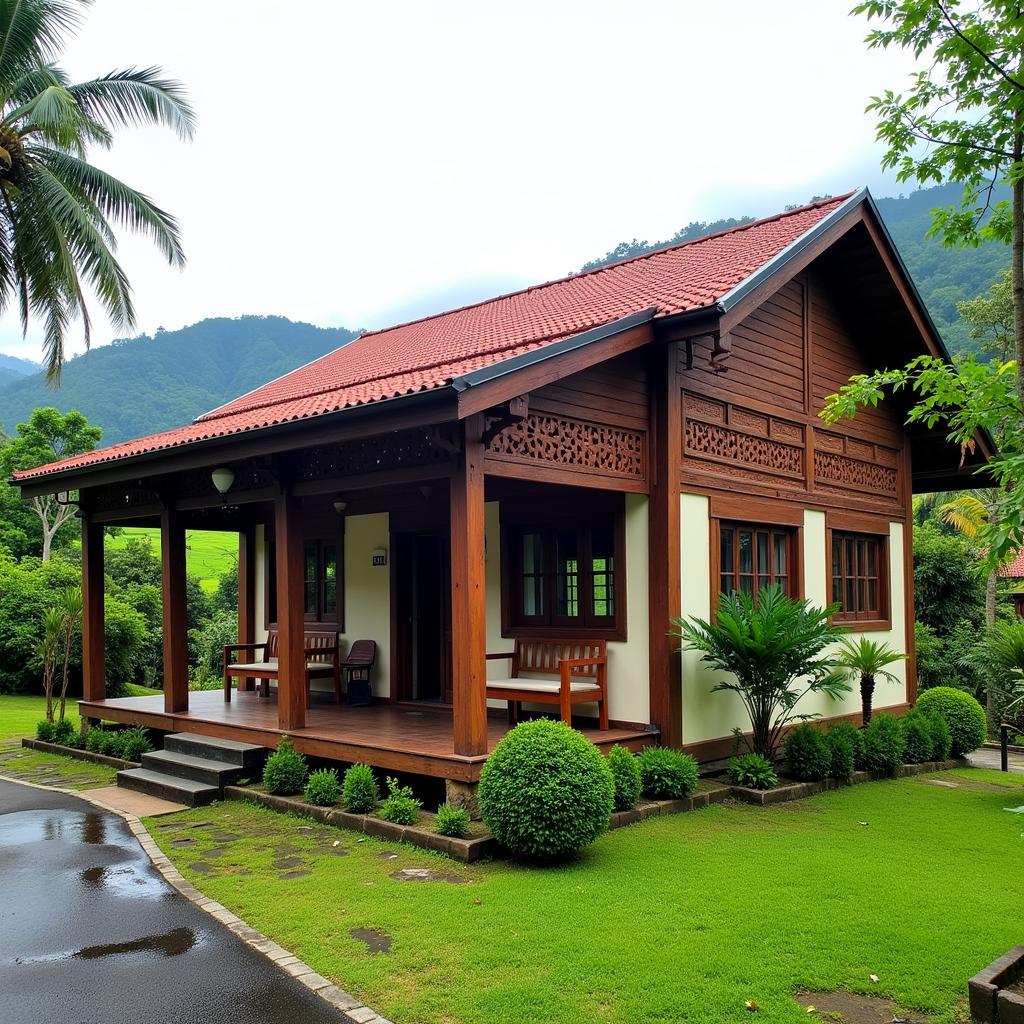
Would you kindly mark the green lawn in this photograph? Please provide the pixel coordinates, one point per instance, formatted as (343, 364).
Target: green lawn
(680, 918)
(54, 769)
(19, 715)
(208, 554)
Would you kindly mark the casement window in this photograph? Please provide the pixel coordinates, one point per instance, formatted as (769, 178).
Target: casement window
(754, 557)
(565, 577)
(321, 582)
(858, 574)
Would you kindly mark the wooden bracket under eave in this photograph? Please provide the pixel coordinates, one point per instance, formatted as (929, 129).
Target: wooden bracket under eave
(504, 416)
(721, 350)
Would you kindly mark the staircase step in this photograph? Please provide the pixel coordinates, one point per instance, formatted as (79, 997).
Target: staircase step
(245, 755)
(200, 769)
(169, 787)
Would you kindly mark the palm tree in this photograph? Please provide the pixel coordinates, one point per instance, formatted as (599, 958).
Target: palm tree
(57, 211)
(868, 659)
(968, 512)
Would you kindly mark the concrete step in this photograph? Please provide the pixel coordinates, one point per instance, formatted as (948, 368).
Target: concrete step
(168, 787)
(200, 769)
(244, 755)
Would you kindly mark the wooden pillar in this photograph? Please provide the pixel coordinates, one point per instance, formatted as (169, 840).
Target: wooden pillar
(664, 575)
(246, 590)
(172, 562)
(94, 681)
(469, 664)
(291, 658)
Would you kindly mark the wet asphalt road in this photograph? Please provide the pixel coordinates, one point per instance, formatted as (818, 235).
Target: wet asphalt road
(90, 933)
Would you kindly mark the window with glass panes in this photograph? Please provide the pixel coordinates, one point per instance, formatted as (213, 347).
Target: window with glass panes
(321, 574)
(754, 557)
(565, 575)
(857, 576)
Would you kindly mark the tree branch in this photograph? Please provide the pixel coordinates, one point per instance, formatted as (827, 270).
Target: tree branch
(977, 49)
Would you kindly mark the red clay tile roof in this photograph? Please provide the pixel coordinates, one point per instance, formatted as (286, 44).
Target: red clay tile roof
(427, 354)
(1014, 569)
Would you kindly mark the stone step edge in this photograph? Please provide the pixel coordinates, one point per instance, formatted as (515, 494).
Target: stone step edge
(352, 1009)
(165, 759)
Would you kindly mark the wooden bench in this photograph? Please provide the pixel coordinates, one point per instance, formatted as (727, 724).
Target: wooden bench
(322, 660)
(579, 670)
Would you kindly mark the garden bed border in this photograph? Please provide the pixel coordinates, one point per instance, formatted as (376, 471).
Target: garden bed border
(78, 753)
(787, 791)
(987, 992)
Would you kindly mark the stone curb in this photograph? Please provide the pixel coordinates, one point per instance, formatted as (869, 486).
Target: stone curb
(78, 754)
(350, 1007)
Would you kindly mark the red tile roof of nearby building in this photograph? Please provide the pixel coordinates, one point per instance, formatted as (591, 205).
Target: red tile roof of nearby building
(427, 354)
(1014, 568)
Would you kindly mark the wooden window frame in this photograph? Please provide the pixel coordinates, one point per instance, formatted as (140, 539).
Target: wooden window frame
(317, 620)
(556, 518)
(864, 528)
(756, 513)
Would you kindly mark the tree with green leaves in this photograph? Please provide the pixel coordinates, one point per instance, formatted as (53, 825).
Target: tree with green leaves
(47, 437)
(58, 212)
(869, 661)
(962, 118)
(991, 319)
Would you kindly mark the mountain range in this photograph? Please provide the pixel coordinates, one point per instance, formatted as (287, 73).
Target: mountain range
(146, 384)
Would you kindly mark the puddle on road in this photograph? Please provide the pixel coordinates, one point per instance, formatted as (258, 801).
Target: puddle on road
(172, 943)
(24, 827)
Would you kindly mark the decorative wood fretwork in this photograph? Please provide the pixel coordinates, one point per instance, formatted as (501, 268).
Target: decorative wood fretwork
(741, 442)
(847, 464)
(591, 448)
(122, 498)
(398, 450)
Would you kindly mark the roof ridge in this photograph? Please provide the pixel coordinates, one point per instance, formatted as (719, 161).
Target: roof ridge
(618, 263)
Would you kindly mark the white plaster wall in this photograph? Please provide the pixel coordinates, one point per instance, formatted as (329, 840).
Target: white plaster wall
(708, 715)
(628, 665)
(367, 594)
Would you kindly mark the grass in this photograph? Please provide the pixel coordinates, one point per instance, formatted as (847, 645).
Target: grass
(208, 554)
(54, 769)
(680, 918)
(19, 714)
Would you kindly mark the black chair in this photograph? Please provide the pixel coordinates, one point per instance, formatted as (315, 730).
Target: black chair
(356, 667)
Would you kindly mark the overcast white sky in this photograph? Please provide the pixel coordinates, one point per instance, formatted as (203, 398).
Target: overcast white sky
(358, 164)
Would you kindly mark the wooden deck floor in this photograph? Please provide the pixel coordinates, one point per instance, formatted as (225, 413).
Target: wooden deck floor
(398, 737)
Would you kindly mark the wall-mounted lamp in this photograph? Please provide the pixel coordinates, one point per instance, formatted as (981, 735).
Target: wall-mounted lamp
(340, 504)
(223, 478)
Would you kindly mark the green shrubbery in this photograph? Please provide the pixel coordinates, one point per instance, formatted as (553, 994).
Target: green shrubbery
(752, 771)
(918, 738)
(285, 771)
(400, 806)
(846, 750)
(667, 774)
(63, 733)
(323, 788)
(626, 775)
(133, 743)
(942, 738)
(359, 789)
(452, 821)
(808, 756)
(962, 713)
(884, 744)
(546, 791)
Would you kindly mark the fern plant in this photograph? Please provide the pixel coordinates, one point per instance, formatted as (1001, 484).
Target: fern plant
(775, 651)
(869, 660)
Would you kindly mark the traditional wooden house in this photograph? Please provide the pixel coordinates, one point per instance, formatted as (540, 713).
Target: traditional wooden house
(513, 499)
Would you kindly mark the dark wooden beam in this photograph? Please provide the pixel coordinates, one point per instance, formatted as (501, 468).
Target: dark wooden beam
(94, 682)
(172, 565)
(469, 627)
(291, 681)
(664, 579)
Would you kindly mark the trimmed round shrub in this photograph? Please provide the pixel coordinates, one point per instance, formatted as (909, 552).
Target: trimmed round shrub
(546, 791)
(133, 743)
(884, 744)
(667, 774)
(44, 731)
(286, 770)
(626, 776)
(65, 733)
(942, 738)
(359, 789)
(400, 806)
(452, 821)
(808, 757)
(843, 741)
(752, 771)
(963, 714)
(323, 788)
(918, 741)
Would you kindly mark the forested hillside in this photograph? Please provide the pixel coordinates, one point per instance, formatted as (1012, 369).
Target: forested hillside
(943, 276)
(146, 384)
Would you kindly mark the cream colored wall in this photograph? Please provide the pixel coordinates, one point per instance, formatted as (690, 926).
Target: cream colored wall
(260, 582)
(628, 666)
(367, 593)
(708, 715)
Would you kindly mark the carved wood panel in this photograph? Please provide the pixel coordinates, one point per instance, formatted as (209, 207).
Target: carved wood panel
(396, 450)
(844, 463)
(738, 442)
(592, 448)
